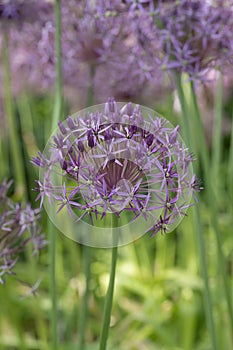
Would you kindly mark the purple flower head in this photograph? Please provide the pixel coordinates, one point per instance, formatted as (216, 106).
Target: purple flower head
(19, 12)
(10, 10)
(19, 228)
(195, 35)
(115, 160)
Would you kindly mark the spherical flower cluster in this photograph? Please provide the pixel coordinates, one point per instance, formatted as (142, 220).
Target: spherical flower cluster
(112, 160)
(102, 37)
(19, 228)
(195, 35)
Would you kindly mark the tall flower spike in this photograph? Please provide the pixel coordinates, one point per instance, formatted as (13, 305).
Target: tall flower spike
(120, 160)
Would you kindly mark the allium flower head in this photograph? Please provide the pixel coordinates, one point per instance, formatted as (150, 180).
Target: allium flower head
(20, 11)
(115, 160)
(195, 35)
(19, 228)
(9, 10)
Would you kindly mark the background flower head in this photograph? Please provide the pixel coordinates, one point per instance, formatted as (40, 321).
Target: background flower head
(20, 231)
(195, 35)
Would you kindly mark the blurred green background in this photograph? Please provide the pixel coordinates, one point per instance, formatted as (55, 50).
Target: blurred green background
(159, 300)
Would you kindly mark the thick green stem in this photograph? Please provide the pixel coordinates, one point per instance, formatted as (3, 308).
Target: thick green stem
(84, 309)
(59, 95)
(203, 150)
(217, 134)
(109, 295)
(230, 163)
(52, 229)
(213, 209)
(200, 242)
(184, 108)
(86, 249)
(53, 286)
(15, 141)
(26, 121)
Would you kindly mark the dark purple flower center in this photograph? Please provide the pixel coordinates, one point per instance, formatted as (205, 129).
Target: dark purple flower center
(114, 173)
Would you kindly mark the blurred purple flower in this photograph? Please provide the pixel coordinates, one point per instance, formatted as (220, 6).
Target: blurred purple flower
(102, 36)
(23, 21)
(19, 228)
(195, 36)
(16, 12)
(9, 10)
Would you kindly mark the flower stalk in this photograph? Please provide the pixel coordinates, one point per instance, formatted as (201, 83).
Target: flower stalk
(51, 228)
(15, 141)
(59, 94)
(86, 249)
(230, 163)
(109, 295)
(84, 305)
(217, 133)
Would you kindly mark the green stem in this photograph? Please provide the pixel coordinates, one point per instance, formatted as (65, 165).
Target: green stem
(52, 229)
(15, 141)
(109, 296)
(201, 246)
(59, 94)
(84, 310)
(53, 286)
(86, 249)
(217, 132)
(4, 172)
(203, 150)
(29, 141)
(184, 108)
(230, 163)
(211, 197)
